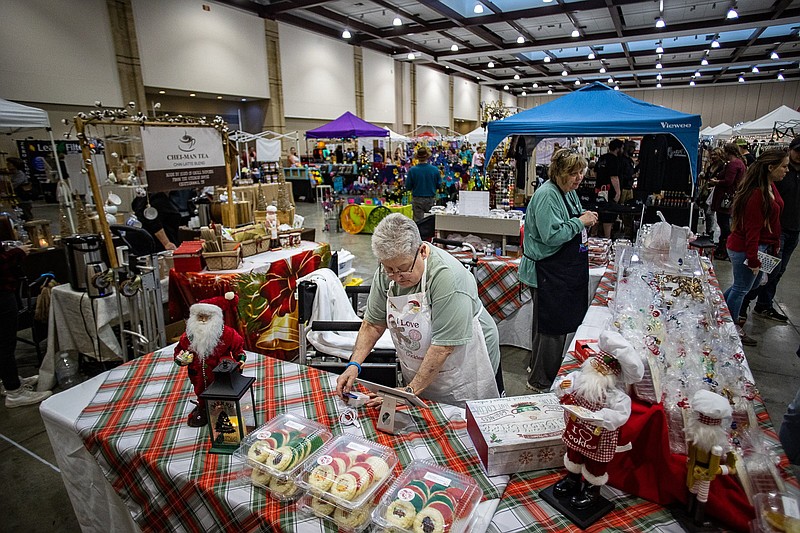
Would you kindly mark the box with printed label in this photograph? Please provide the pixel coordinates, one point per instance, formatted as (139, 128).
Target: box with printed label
(517, 434)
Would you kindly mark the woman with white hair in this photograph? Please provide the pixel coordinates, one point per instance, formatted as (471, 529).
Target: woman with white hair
(446, 342)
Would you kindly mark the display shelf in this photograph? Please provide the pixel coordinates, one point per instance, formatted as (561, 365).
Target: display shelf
(499, 227)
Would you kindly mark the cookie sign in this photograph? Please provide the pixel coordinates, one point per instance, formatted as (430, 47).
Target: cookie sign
(263, 435)
(405, 494)
(324, 460)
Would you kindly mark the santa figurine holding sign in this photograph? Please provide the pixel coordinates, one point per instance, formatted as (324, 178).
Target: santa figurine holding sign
(206, 342)
(595, 409)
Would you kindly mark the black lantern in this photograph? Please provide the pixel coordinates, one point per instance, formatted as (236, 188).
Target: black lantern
(230, 416)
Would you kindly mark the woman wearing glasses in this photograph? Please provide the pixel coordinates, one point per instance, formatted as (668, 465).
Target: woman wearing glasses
(555, 264)
(446, 342)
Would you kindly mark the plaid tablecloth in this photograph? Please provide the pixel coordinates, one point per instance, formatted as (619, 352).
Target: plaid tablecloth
(522, 510)
(266, 289)
(135, 428)
(498, 284)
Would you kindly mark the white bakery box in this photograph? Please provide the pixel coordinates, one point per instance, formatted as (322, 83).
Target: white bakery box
(517, 434)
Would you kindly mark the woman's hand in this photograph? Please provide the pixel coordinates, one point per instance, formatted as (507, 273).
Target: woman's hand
(755, 270)
(588, 218)
(344, 383)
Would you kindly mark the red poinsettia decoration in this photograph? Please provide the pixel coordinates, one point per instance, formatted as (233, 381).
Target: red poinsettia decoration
(280, 284)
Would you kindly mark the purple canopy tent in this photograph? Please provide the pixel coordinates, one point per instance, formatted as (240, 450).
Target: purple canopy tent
(348, 126)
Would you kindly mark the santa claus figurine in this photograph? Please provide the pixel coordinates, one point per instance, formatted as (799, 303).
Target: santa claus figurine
(206, 342)
(595, 409)
(707, 437)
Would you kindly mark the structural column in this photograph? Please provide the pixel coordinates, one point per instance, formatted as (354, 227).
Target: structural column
(126, 51)
(274, 117)
(358, 76)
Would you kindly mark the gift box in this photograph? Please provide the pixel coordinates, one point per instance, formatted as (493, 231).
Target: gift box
(187, 258)
(517, 434)
(585, 348)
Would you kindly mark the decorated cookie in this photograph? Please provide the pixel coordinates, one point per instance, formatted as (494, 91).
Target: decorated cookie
(401, 514)
(350, 519)
(260, 477)
(379, 467)
(347, 486)
(321, 506)
(259, 452)
(283, 458)
(279, 486)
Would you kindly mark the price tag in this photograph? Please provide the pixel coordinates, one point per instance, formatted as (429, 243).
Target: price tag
(790, 508)
(295, 425)
(405, 494)
(357, 447)
(436, 478)
(324, 460)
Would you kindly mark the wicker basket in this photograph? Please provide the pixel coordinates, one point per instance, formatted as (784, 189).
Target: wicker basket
(255, 246)
(227, 260)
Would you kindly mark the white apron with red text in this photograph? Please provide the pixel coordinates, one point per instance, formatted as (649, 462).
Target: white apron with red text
(465, 375)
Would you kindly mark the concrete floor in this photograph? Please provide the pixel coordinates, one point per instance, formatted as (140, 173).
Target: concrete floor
(33, 495)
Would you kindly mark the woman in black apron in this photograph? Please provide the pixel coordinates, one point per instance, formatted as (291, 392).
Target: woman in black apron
(556, 264)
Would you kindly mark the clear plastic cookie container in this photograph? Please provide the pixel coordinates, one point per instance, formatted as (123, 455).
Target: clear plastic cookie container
(348, 471)
(428, 498)
(347, 520)
(276, 452)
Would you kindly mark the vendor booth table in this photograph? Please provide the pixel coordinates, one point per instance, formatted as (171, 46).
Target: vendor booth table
(521, 504)
(123, 438)
(79, 323)
(463, 224)
(266, 285)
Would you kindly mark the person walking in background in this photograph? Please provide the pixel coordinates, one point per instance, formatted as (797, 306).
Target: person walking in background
(756, 227)
(22, 186)
(608, 180)
(423, 181)
(789, 189)
(724, 191)
(744, 152)
(17, 390)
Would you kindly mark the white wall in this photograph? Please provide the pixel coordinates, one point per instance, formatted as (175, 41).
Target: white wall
(221, 51)
(318, 74)
(509, 100)
(379, 99)
(489, 94)
(433, 97)
(465, 99)
(57, 52)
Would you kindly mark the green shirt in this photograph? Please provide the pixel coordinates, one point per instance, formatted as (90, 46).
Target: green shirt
(453, 296)
(548, 226)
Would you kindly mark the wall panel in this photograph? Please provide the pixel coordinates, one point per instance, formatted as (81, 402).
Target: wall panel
(465, 99)
(379, 98)
(433, 97)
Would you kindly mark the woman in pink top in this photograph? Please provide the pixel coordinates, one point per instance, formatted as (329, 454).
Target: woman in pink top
(724, 190)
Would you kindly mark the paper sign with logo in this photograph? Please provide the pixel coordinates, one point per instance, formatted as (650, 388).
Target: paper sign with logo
(179, 158)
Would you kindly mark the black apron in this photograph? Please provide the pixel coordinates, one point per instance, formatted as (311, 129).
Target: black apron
(563, 285)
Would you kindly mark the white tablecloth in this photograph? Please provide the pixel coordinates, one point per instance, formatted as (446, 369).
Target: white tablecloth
(77, 322)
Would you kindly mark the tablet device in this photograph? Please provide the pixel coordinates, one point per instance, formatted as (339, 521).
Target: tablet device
(409, 398)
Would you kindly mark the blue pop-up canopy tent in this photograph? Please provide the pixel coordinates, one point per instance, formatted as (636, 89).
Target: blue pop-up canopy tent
(598, 111)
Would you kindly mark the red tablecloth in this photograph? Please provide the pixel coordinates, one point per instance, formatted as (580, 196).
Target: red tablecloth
(267, 303)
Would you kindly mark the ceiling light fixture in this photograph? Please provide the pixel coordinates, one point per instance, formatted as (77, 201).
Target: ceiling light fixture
(577, 82)
(741, 79)
(715, 43)
(704, 62)
(659, 77)
(564, 73)
(524, 93)
(602, 70)
(610, 80)
(219, 98)
(192, 94)
(478, 9)
(658, 85)
(454, 48)
(660, 23)
(755, 70)
(505, 87)
(546, 59)
(659, 49)
(691, 83)
(520, 39)
(697, 74)
(516, 76)
(411, 56)
(549, 91)
(616, 87)
(575, 34)
(591, 55)
(162, 92)
(658, 65)
(491, 64)
(346, 34)
(244, 99)
(535, 85)
(774, 55)
(780, 76)
(732, 13)
(397, 22)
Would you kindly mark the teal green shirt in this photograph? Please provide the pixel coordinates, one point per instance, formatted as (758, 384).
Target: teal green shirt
(548, 226)
(453, 295)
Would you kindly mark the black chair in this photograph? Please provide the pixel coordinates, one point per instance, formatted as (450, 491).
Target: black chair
(27, 296)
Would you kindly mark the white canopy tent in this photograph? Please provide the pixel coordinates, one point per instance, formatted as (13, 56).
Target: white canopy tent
(398, 138)
(721, 131)
(763, 126)
(478, 135)
(15, 118)
(265, 151)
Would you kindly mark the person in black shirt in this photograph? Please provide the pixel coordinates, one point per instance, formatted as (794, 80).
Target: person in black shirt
(608, 179)
(748, 158)
(163, 228)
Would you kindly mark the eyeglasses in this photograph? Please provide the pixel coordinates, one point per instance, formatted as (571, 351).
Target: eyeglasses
(402, 272)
